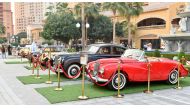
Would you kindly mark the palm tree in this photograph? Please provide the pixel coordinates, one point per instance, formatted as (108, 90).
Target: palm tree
(116, 8)
(62, 7)
(2, 29)
(90, 9)
(131, 9)
(132, 27)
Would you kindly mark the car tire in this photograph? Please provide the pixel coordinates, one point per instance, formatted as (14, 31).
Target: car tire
(72, 70)
(113, 84)
(173, 77)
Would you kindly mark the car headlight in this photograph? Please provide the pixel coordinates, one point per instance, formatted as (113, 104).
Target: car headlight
(101, 70)
(53, 57)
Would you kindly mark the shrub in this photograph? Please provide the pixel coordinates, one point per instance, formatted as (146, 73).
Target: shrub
(71, 50)
(156, 53)
(169, 56)
(182, 58)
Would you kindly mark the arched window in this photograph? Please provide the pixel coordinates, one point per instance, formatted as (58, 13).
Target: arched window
(151, 22)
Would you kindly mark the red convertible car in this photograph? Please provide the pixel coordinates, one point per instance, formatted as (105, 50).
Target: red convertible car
(133, 65)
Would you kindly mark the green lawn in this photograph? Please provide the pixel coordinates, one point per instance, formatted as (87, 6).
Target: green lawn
(31, 80)
(71, 92)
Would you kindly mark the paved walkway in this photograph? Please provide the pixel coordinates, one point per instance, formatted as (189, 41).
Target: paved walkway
(12, 91)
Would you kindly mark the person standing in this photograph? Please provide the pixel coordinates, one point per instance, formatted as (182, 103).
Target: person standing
(3, 52)
(9, 50)
(149, 46)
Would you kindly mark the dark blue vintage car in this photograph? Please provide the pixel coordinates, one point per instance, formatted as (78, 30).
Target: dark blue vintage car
(71, 62)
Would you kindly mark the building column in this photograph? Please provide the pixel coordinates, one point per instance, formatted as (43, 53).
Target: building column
(180, 45)
(167, 45)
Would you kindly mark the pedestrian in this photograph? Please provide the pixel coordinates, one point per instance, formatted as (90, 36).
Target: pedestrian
(149, 46)
(3, 51)
(9, 50)
(122, 44)
(145, 47)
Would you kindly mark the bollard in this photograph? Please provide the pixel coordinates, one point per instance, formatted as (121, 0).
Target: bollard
(49, 80)
(83, 97)
(148, 91)
(119, 80)
(183, 61)
(178, 78)
(38, 75)
(32, 66)
(58, 88)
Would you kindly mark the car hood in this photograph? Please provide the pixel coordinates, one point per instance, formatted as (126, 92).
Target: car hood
(166, 60)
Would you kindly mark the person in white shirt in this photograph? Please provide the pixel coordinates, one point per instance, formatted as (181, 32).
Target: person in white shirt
(149, 47)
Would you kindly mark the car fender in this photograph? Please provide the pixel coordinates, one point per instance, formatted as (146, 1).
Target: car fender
(70, 61)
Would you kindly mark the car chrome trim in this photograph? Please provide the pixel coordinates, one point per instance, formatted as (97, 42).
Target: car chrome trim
(97, 79)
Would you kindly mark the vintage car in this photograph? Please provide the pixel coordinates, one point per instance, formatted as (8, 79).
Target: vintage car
(24, 51)
(71, 62)
(133, 65)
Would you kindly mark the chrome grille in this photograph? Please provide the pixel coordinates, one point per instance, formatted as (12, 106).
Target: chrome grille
(55, 61)
(96, 68)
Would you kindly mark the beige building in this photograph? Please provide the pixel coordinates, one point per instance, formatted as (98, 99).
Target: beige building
(28, 13)
(157, 19)
(34, 33)
(6, 18)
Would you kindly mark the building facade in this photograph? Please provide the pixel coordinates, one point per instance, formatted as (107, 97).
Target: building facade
(156, 20)
(6, 19)
(29, 13)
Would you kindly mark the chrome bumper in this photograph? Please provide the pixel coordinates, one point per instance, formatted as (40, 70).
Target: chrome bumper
(97, 79)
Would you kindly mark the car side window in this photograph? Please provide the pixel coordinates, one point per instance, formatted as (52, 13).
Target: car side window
(118, 50)
(104, 50)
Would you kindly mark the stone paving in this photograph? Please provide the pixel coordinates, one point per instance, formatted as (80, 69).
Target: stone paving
(13, 92)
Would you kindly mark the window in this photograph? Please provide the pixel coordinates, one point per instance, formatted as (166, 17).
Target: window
(118, 50)
(151, 22)
(104, 50)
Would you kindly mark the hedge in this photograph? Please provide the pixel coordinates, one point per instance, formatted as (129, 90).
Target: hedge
(167, 55)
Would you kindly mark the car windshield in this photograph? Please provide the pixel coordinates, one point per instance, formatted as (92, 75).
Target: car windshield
(134, 53)
(92, 49)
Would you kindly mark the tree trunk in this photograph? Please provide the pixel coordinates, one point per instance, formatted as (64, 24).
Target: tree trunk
(114, 30)
(129, 33)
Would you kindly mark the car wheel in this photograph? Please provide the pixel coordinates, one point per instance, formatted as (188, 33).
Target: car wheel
(114, 82)
(173, 77)
(73, 70)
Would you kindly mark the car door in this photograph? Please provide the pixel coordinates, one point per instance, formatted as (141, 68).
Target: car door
(140, 70)
(155, 72)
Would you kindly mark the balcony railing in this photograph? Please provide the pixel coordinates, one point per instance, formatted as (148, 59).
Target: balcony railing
(152, 27)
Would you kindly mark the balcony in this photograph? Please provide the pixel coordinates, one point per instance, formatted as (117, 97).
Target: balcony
(152, 27)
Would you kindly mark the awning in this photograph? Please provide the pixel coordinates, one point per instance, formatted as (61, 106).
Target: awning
(185, 36)
(149, 36)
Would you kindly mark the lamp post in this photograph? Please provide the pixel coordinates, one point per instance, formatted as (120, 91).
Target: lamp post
(83, 26)
(84, 38)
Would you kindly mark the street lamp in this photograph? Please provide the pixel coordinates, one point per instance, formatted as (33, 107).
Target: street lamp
(85, 39)
(78, 25)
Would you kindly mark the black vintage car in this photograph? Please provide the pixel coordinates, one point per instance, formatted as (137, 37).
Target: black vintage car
(71, 62)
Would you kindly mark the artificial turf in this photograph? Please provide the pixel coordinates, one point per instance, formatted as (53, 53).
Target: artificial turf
(71, 92)
(32, 80)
